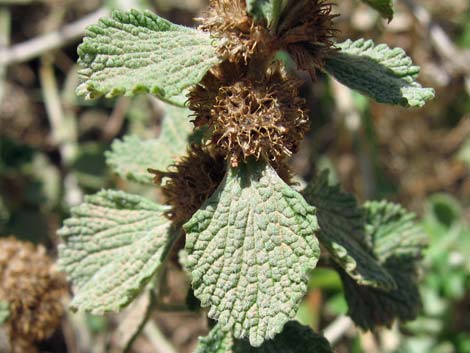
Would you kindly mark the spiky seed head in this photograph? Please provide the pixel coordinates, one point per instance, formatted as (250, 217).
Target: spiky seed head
(190, 182)
(203, 95)
(239, 37)
(306, 32)
(33, 291)
(258, 116)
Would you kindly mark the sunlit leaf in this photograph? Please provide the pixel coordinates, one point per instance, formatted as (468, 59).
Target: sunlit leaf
(250, 248)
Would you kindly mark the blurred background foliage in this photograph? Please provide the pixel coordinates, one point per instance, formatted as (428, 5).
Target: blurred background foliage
(52, 146)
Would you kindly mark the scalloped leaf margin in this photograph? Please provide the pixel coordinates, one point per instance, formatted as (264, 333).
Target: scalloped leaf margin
(131, 157)
(250, 248)
(138, 52)
(294, 338)
(342, 233)
(113, 244)
(397, 242)
(379, 72)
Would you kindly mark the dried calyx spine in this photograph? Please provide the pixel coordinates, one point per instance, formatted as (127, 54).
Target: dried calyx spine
(249, 105)
(33, 291)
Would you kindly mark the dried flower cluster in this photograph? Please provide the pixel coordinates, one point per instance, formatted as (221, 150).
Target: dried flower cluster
(190, 182)
(252, 117)
(249, 104)
(33, 291)
(306, 32)
(240, 38)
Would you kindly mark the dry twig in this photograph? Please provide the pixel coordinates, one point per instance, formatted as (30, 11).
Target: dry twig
(42, 44)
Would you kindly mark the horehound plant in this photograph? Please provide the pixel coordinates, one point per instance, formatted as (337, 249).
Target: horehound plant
(250, 240)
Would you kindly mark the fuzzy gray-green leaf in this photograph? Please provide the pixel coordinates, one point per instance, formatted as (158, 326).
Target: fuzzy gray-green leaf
(132, 156)
(397, 242)
(342, 233)
(138, 52)
(113, 245)
(294, 338)
(4, 311)
(250, 248)
(384, 74)
(217, 341)
(384, 7)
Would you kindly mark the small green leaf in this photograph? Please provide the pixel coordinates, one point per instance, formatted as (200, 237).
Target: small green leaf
(217, 341)
(138, 52)
(294, 338)
(265, 10)
(113, 244)
(131, 157)
(384, 74)
(397, 243)
(384, 7)
(342, 233)
(250, 248)
(4, 312)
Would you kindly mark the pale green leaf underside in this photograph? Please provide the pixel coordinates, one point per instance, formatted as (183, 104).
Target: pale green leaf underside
(249, 250)
(384, 74)
(139, 52)
(294, 338)
(267, 10)
(113, 245)
(4, 312)
(131, 157)
(397, 242)
(384, 7)
(342, 233)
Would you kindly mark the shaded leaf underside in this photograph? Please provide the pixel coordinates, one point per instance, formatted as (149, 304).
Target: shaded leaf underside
(342, 233)
(397, 243)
